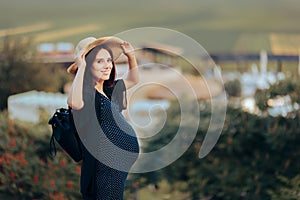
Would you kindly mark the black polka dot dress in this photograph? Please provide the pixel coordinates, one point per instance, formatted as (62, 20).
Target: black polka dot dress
(109, 182)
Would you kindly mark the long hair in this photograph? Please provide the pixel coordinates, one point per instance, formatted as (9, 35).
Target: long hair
(90, 57)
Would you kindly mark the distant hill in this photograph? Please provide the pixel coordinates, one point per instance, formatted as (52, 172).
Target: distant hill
(228, 26)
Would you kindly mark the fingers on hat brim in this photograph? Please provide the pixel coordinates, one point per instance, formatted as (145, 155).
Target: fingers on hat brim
(113, 43)
(72, 68)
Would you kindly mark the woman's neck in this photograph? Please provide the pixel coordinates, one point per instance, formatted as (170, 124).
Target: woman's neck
(99, 87)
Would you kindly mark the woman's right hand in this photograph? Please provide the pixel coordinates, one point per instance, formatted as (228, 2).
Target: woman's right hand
(75, 99)
(80, 59)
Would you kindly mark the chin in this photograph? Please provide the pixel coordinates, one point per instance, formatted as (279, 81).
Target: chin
(105, 78)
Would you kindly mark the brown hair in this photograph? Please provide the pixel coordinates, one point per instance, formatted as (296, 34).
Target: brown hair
(90, 57)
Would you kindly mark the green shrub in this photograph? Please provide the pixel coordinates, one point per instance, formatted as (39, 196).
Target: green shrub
(233, 88)
(22, 70)
(27, 171)
(251, 155)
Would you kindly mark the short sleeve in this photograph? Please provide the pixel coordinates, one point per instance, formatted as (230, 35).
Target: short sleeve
(82, 116)
(118, 94)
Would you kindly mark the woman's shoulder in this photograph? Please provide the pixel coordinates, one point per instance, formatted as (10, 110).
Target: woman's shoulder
(119, 83)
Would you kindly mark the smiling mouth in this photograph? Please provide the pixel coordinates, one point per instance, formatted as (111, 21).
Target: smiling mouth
(105, 72)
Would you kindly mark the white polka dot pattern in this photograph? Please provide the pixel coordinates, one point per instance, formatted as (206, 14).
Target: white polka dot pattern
(110, 182)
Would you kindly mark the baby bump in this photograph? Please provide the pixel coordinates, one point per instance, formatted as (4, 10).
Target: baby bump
(120, 133)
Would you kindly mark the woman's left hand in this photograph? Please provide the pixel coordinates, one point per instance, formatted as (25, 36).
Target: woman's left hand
(132, 75)
(128, 50)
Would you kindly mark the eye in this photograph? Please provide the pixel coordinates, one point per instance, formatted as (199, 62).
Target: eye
(100, 61)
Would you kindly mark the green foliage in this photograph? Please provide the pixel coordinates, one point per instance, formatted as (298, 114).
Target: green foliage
(285, 87)
(256, 157)
(27, 171)
(290, 189)
(22, 70)
(233, 88)
(261, 98)
(250, 161)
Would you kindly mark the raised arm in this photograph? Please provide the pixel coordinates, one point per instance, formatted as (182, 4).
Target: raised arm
(75, 98)
(133, 73)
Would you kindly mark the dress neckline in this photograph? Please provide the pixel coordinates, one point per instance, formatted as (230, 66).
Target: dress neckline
(103, 95)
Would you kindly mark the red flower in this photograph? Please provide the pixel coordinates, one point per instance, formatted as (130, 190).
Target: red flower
(35, 178)
(57, 196)
(12, 176)
(63, 162)
(52, 183)
(135, 184)
(24, 146)
(22, 159)
(2, 160)
(70, 185)
(78, 169)
(10, 132)
(13, 143)
(11, 121)
(22, 163)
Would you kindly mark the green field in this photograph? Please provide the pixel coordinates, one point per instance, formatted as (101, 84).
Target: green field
(219, 26)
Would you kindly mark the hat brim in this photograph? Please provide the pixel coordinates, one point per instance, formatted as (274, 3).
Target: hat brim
(111, 42)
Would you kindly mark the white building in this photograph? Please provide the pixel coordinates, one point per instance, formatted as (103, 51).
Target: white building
(27, 106)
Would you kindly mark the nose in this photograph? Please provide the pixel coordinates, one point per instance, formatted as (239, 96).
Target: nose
(108, 65)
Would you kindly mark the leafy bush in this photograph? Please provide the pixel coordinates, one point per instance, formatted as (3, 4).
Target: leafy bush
(250, 160)
(233, 88)
(27, 171)
(285, 87)
(22, 70)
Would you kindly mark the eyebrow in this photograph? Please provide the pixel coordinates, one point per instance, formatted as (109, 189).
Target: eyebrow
(101, 58)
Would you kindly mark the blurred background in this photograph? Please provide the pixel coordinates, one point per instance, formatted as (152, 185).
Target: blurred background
(230, 26)
(254, 53)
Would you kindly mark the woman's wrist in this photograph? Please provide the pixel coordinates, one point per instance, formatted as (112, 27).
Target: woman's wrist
(130, 56)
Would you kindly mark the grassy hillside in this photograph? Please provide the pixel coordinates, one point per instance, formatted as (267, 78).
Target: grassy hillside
(220, 26)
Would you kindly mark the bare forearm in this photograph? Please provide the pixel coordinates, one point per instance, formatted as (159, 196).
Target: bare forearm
(75, 99)
(133, 73)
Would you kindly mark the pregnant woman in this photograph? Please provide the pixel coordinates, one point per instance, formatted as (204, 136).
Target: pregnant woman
(110, 146)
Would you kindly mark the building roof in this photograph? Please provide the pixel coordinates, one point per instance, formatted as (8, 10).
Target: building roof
(162, 48)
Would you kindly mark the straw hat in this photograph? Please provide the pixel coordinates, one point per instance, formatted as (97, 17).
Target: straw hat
(87, 44)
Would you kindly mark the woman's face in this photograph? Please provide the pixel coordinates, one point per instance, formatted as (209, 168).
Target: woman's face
(102, 65)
